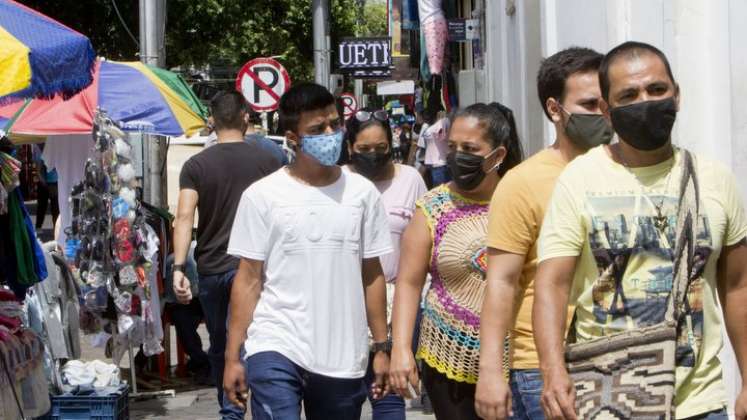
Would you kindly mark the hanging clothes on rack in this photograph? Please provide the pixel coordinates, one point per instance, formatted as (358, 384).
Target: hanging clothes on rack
(21, 259)
(410, 18)
(434, 28)
(23, 384)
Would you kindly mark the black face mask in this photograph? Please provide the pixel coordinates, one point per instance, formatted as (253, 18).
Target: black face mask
(466, 169)
(588, 130)
(645, 125)
(370, 164)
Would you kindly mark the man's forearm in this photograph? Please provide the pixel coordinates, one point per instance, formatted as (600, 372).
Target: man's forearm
(735, 317)
(495, 321)
(548, 323)
(375, 292)
(182, 238)
(245, 294)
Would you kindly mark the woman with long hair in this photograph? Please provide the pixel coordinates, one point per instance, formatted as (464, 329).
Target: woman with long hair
(446, 238)
(369, 140)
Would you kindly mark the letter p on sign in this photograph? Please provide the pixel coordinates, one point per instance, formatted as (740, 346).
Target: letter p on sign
(263, 81)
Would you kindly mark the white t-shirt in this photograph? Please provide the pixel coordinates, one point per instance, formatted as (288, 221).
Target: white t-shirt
(436, 144)
(428, 9)
(312, 241)
(398, 195)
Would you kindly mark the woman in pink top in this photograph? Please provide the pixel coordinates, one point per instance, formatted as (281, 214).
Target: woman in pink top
(369, 140)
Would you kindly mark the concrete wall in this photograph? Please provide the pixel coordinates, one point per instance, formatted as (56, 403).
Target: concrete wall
(702, 39)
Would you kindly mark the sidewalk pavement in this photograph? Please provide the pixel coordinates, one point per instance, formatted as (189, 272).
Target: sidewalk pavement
(202, 405)
(196, 404)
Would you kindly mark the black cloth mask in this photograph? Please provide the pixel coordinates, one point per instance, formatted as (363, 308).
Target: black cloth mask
(588, 130)
(645, 125)
(466, 169)
(370, 164)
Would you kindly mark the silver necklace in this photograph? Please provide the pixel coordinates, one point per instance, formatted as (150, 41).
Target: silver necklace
(661, 219)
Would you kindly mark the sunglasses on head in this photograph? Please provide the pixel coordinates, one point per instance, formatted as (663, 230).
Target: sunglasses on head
(363, 116)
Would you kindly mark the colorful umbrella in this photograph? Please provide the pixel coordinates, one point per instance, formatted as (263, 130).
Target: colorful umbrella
(138, 96)
(40, 57)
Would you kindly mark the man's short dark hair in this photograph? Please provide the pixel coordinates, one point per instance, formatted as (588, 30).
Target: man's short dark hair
(629, 49)
(303, 97)
(228, 110)
(557, 68)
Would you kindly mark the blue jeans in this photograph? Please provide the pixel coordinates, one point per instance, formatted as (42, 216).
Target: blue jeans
(711, 415)
(439, 175)
(214, 294)
(526, 393)
(278, 385)
(391, 407)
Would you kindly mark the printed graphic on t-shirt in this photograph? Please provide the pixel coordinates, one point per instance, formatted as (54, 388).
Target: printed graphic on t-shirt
(632, 238)
(320, 227)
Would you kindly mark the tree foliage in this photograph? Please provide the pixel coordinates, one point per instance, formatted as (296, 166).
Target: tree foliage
(199, 32)
(373, 21)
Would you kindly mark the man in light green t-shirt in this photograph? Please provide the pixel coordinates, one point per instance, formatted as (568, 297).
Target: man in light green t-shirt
(607, 244)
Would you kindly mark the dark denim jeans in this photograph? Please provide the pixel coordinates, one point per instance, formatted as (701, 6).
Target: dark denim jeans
(439, 175)
(712, 415)
(186, 319)
(391, 407)
(278, 386)
(214, 294)
(526, 394)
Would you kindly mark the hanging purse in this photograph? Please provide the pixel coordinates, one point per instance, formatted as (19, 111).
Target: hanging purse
(631, 374)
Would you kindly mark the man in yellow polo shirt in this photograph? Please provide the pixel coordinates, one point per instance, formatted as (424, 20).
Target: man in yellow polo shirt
(568, 87)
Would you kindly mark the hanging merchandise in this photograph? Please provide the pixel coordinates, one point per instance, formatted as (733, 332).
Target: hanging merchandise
(434, 28)
(449, 99)
(425, 71)
(21, 259)
(10, 168)
(23, 384)
(111, 246)
(410, 20)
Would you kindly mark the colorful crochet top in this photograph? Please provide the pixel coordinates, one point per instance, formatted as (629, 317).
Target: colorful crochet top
(449, 333)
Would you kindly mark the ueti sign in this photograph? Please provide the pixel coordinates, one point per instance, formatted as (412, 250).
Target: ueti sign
(364, 53)
(263, 81)
(349, 105)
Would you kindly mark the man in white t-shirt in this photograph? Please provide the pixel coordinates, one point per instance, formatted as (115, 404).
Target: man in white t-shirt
(309, 237)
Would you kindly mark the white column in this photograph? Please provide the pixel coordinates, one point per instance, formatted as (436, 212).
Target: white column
(513, 53)
(738, 66)
(703, 71)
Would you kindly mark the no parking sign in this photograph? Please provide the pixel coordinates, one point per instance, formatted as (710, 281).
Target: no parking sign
(349, 105)
(263, 81)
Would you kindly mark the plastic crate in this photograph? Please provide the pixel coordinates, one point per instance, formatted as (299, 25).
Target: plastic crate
(90, 407)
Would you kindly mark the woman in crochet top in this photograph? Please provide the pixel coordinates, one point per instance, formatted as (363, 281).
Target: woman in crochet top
(446, 237)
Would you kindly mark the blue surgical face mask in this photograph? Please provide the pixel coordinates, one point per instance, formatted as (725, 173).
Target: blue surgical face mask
(325, 148)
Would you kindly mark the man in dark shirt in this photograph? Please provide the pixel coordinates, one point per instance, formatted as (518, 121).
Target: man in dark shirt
(212, 182)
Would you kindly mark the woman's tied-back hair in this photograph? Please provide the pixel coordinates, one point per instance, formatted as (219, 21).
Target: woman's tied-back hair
(500, 130)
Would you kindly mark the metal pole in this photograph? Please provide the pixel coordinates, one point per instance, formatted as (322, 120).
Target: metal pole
(152, 15)
(358, 92)
(320, 10)
(149, 31)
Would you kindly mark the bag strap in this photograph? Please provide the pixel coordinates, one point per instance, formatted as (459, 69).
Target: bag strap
(570, 336)
(688, 218)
